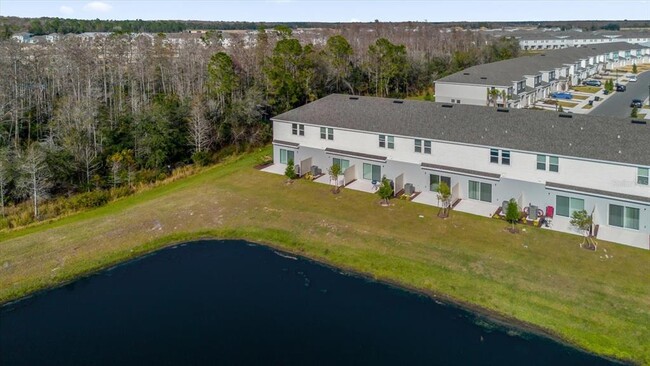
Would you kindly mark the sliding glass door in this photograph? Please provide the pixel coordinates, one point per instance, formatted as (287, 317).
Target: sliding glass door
(480, 191)
(371, 172)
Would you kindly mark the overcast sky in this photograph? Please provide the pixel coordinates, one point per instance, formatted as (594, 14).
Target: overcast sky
(332, 10)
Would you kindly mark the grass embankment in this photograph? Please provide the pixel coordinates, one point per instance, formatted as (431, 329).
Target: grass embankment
(539, 277)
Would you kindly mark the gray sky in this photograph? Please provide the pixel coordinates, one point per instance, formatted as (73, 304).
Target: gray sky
(332, 10)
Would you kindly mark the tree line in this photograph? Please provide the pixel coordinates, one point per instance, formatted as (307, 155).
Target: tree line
(115, 111)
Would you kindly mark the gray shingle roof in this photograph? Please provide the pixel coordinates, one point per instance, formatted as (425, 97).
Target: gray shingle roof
(504, 73)
(583, 136)
(598, 192)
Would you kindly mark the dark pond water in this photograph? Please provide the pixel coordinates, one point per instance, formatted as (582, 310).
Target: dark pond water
(234, 303)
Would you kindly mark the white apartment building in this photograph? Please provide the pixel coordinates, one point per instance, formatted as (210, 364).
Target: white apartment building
(567, 39)
(556, 162)
(528, 79)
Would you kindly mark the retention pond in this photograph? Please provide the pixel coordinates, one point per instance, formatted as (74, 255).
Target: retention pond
(237, 303)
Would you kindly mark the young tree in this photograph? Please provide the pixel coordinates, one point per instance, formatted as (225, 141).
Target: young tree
(635, 112)
(583, 221)
(512, 213)
(634, 69)
(444, 196)
(34, 176)
(290, 170)
(335, 171)
(385, 190)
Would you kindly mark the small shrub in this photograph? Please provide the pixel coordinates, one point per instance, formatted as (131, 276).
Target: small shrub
(146, 176)
(88, 200)
(201, 158)
(290, 171)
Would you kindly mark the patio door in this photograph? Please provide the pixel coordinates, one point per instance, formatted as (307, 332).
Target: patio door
(435, 180)
(286, 156)
(342, 163)
(480, 191)
(371, 172)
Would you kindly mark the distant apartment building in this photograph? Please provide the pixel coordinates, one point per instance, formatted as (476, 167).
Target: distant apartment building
(522, 81)
(22, 37)
(566, 39)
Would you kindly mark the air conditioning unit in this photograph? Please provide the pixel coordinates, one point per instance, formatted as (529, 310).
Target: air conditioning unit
(409, 189)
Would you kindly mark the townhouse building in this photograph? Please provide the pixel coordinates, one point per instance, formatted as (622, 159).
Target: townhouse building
(522, 81)
(559, 163)
(568, 39)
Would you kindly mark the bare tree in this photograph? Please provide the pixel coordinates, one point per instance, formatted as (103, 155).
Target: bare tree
(199, 128)
(5, 177)
(34, 176)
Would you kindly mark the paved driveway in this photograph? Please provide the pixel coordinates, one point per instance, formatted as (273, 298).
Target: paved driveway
(618, 105)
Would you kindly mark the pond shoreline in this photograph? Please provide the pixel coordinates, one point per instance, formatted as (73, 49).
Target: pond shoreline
(285, 250)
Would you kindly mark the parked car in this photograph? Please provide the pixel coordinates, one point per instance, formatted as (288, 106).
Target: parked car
(630, 78)
(561, 95)
(620, 88)
(636, 103)
(592, 83)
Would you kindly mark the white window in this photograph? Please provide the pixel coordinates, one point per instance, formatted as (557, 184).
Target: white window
(642, 176)
(505, 156)
(553, 163)
(420, 143)
(626, 217)
(494, 156)
(387, 141)
(327, 133)
(342, 163)
(566, 206)
(297, 129)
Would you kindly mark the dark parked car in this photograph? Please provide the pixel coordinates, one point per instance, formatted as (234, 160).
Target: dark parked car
(636, 103)
(592, 83)
(620, 88)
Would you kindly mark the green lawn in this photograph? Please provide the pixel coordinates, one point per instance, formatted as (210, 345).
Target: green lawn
(587, 89)
(538, 277)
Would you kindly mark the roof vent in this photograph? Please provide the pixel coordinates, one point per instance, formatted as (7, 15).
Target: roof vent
(398, 101)
(504, 110)
(483, 78)
(447, 106)
(565, 115)
(354, 98)
(638, 122)
(466, 73)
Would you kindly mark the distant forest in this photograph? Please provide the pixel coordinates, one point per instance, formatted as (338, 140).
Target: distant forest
(41, 26)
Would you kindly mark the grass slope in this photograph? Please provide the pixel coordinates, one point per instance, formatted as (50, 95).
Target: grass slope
(539, 277)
